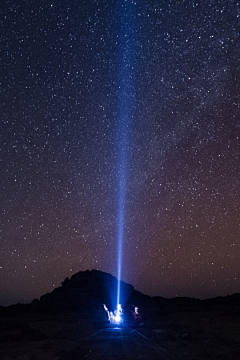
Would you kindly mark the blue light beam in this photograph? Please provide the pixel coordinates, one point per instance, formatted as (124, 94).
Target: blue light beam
(126, 99)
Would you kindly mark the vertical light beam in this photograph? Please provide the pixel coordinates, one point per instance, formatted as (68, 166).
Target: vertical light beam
(125, 101)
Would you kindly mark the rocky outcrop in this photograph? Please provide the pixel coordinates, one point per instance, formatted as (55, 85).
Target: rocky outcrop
(83, 292)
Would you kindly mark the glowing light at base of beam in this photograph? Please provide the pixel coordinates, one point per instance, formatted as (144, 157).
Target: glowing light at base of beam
(117, 319)
(117, 316)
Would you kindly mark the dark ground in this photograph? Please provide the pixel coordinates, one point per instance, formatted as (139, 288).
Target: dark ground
(180, 334)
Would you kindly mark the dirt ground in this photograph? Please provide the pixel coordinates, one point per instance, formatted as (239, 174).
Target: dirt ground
(182, 334)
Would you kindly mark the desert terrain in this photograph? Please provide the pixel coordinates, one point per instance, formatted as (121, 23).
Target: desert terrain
(180, 328)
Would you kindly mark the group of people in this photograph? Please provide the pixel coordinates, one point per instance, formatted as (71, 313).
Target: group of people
(106, 317)
(109, 316)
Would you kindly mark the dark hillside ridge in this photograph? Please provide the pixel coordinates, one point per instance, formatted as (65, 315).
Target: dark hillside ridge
(86, 290)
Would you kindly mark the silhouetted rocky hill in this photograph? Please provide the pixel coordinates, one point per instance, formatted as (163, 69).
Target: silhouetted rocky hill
(85, 291)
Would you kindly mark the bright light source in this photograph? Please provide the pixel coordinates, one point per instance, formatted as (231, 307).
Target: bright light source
(118, 318)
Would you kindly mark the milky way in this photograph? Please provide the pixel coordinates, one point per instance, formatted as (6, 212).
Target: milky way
(68, 78)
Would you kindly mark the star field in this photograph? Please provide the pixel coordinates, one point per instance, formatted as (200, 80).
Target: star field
(61, 102)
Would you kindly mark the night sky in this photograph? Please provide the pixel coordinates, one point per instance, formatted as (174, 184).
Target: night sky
(82, 81)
